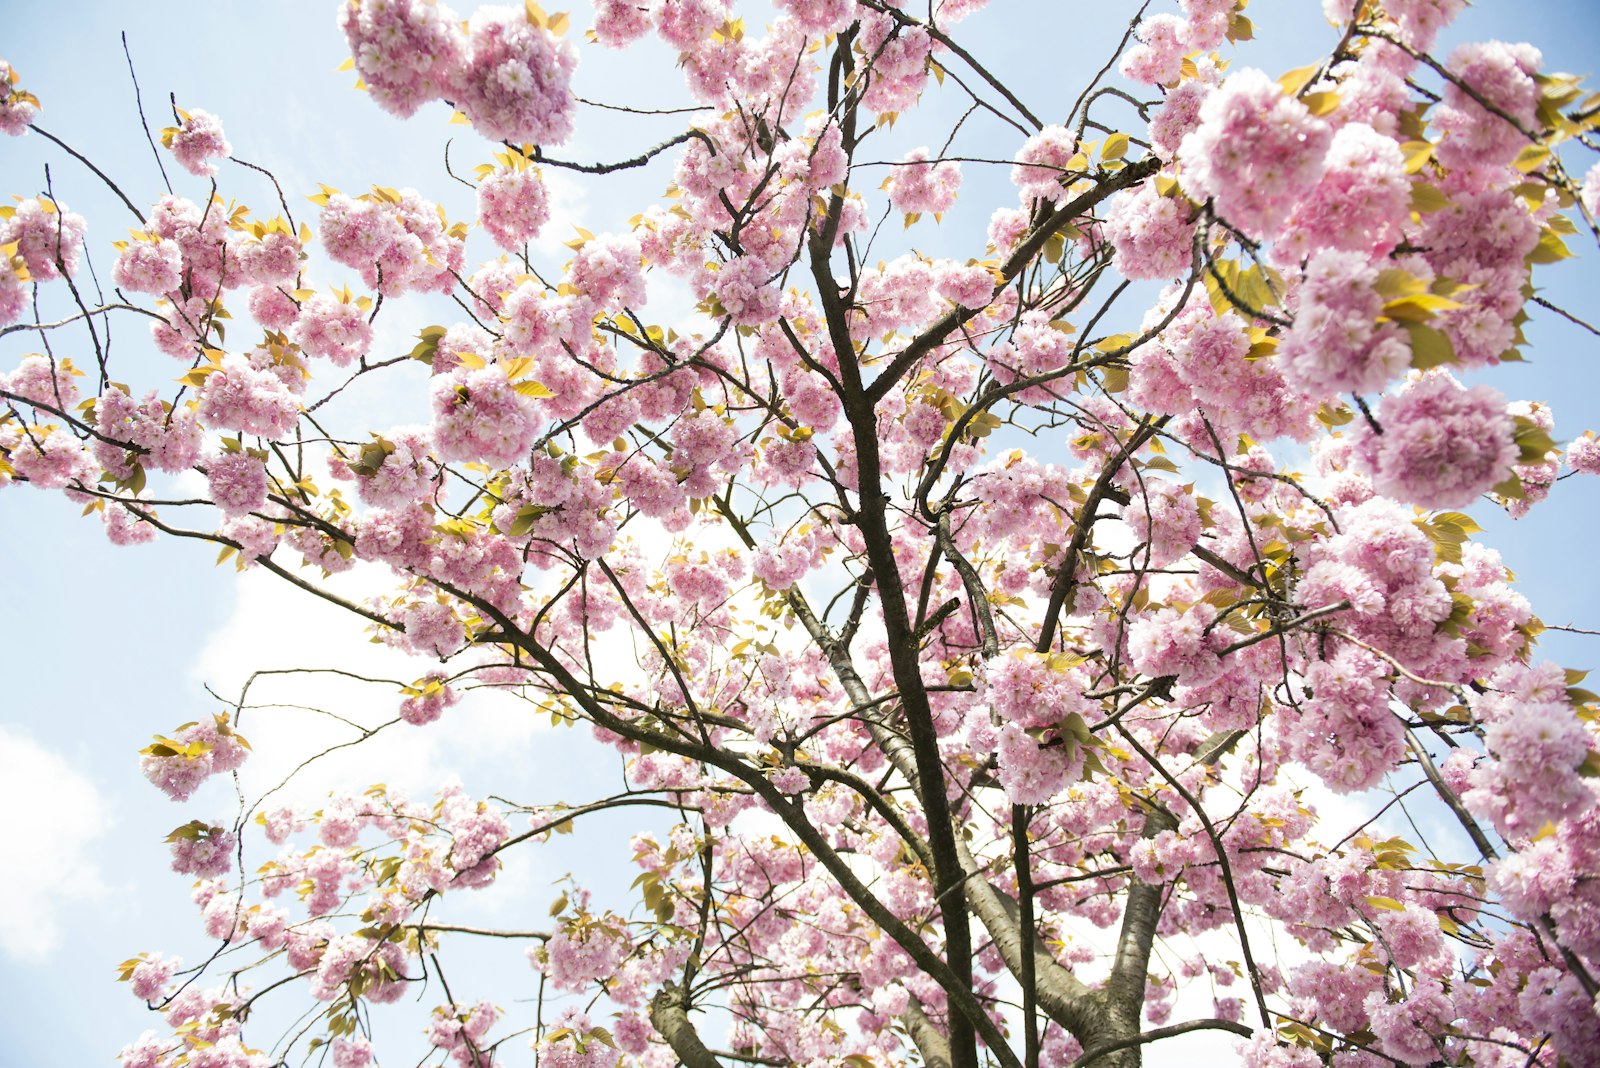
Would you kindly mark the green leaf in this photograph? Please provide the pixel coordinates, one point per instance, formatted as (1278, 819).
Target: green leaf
(193, 831)
(527, 515)
(1510, 488)
(1533, 441)
(1426, 198)
(373, 454)
(1114, 379)
(1429, 348)
(429, 345)
(1458, 519)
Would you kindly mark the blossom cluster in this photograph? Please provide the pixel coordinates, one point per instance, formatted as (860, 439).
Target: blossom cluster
(510, 76)
(842, 605)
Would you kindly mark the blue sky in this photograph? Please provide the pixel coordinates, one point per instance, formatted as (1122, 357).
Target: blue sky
(106, 646)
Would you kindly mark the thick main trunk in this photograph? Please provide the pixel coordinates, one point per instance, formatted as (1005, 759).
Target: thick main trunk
(930, 1042)
(669, 1014)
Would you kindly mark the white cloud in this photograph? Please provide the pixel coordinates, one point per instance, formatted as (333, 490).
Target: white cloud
(276, 627)
(58, 866)
(569, 209)
(672, 303)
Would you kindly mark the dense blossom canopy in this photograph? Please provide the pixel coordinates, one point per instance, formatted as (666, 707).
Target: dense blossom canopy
(990, 629)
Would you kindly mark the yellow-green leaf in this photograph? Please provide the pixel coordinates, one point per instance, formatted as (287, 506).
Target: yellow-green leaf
(1551, 248)
(1296, 80)
(1429, 348)
(1418, 307)
(1417, 154)
(1323, 103)
(1426, 198)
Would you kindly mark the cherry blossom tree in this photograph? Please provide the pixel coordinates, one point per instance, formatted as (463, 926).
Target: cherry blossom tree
(956, 615)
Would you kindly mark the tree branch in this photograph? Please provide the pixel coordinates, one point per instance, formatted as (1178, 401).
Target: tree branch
(669, 1014)
(928, 1039)
(1171, 1030)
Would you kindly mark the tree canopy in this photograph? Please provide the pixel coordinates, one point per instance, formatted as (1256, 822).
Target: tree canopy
(984, 637)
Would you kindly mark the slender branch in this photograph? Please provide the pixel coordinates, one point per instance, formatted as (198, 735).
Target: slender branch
(1224, 867)
(1031, 246)
(484, 932)
(939, 35)
(1288, 625)
(138, 100)
(1170, 1031)
(645, 111)
(75, 154)
(1568, 316)
(69, 320)
(622, 165)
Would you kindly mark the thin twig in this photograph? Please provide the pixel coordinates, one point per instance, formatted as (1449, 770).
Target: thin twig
(138, 99)
(81, 158)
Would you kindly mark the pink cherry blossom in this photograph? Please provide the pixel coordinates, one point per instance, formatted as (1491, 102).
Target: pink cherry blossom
(513, 206)
(198, 141)
(515, 83)
(49, 237)
(1442, 443)
(1253, 151)
(149, 267)
(238, 482)
(17, 107)
(407, 51)
(918, 186)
